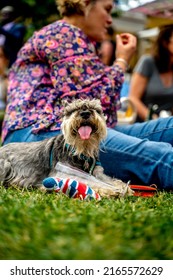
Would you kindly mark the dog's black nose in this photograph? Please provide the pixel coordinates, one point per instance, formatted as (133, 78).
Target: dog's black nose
(85, 114)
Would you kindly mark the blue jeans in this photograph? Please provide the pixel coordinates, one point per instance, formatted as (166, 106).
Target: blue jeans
(141, 152)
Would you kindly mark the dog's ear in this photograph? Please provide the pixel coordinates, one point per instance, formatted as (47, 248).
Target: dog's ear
(105, 117)
(65, 103)
(98, 102)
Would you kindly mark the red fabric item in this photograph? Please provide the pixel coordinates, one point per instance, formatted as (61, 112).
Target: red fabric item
(144, 190)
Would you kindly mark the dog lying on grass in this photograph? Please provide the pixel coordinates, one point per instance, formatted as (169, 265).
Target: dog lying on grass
(83, 128)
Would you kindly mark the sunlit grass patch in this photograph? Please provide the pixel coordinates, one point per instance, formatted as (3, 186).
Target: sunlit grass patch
(40, 226)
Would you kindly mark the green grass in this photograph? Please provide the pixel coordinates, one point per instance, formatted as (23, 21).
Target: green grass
(35, 226)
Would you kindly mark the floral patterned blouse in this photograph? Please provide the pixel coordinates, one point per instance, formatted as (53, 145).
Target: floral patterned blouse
(57, 62)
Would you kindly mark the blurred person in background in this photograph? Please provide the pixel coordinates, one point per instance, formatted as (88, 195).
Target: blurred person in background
(4, 64)
(108, 47)
(151, 85)
(11, 32)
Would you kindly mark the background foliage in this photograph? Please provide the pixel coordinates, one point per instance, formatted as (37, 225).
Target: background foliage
(34, 13)
(37, 13)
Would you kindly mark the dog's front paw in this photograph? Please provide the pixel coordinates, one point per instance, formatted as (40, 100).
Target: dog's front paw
(105, 191)
(124, 188)
(111, 187)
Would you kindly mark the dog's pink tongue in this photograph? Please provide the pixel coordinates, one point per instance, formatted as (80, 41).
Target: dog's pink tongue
(84, 132)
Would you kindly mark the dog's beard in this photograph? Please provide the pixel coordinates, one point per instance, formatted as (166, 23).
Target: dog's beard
(84, 137)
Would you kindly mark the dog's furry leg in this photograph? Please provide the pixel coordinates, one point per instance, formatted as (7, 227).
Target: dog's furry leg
(5, 170)
(98, 172)
(117, 185)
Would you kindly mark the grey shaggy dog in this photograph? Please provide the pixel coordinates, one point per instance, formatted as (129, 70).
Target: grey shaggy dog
(83, 128)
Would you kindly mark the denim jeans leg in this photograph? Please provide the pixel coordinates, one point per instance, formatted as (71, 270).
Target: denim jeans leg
(26, 135)
(139, 160)
(160, 130)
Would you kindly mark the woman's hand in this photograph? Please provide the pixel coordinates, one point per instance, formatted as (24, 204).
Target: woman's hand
(125, 46)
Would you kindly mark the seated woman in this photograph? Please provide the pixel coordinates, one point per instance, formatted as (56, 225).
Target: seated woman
(151, 86)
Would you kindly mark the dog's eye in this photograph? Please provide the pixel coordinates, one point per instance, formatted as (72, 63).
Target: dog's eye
(70, 112)
(99, 111)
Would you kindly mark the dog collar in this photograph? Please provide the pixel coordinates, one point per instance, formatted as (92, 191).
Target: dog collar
(90, 162)
(51, 157)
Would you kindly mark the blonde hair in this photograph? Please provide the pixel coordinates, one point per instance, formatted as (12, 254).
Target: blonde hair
(71, 7)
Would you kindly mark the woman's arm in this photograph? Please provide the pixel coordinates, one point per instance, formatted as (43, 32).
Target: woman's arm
(137, 88)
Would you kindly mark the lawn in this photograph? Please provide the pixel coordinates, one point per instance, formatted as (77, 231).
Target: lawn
(35, 226)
